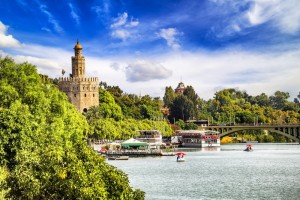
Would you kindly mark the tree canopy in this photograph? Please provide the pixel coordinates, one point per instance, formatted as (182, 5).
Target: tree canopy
(43, 148)
(232, 106)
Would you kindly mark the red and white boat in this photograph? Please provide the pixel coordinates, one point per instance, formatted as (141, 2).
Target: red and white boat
(197, 138)
(180, 156)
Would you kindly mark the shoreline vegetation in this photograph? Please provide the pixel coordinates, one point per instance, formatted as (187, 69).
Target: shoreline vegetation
(43, 148)
(44, 153)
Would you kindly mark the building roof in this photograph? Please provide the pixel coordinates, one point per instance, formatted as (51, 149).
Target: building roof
(180, 88)
(78, 45)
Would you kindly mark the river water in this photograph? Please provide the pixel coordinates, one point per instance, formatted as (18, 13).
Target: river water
(271, 171)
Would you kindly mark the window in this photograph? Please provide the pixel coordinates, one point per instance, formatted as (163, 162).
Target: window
(84, 95)
(74, 95)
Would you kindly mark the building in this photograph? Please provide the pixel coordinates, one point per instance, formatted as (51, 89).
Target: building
(83, 92)
(180, 88)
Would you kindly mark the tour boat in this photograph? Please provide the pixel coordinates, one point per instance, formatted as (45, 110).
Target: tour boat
(152, 137)
(196, 138)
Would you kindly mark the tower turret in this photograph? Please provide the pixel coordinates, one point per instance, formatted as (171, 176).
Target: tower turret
(78, 62)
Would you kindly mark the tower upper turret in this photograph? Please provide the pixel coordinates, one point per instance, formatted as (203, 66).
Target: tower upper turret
(78, 62)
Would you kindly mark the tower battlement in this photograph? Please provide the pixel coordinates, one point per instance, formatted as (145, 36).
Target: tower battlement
(83, 92)
(77, 79)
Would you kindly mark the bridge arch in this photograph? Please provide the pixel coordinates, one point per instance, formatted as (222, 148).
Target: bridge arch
(289, 131)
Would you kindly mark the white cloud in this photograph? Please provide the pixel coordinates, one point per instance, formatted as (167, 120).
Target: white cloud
(260, 12)
(74, 14)
(288, 18)
(7, 41)
(51, 19)
(121, 29)
(41, 62)
(116, 66)
(46, 29)
(282, 15)
(120, 34)
(133, 23)
(169, 35)
(48, 60)
(253, 72)
(120, 20)
(102, 9)
(142, 70)
(206, 71)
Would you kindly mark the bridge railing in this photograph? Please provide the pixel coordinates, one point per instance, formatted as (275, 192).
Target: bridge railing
(257, 124)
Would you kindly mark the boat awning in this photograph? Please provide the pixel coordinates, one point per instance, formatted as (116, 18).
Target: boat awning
(133, 143)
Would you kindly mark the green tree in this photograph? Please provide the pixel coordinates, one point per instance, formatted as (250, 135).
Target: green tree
(169, 96)
(182, 108)
(279, 100)
(43, 149)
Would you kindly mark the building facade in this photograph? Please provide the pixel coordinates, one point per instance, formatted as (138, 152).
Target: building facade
(83, 92)
(180, 88)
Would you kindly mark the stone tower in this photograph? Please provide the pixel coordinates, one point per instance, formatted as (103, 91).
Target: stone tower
(83, 92)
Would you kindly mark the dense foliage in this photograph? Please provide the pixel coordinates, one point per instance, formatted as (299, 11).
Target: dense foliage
(119, 115)
(231, 106)
(43, 149)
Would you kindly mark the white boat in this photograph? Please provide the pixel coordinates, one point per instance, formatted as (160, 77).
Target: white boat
(118, 157)
(167, 153)
(153, 137)
(197, 138)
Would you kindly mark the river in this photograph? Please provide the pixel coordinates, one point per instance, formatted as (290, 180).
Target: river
(271, 171)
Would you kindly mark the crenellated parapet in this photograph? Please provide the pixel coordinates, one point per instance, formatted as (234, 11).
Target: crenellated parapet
(77, 79)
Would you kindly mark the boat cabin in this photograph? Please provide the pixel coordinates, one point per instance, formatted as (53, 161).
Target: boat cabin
(152, 137)
(197, 138)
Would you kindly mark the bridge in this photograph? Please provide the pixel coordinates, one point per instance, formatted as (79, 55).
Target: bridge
(291, 131)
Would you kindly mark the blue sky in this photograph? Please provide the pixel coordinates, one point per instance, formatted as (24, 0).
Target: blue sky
(145, 45)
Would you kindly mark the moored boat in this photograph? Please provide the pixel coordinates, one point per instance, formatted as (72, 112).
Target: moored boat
(167, 153)
(197, 138)
(118, 157)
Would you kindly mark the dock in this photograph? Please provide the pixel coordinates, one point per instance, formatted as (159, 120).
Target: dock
(139, 153)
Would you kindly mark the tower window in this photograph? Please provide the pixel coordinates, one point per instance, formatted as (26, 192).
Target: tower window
(93, 95)
(74, 95)
(84, 95)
